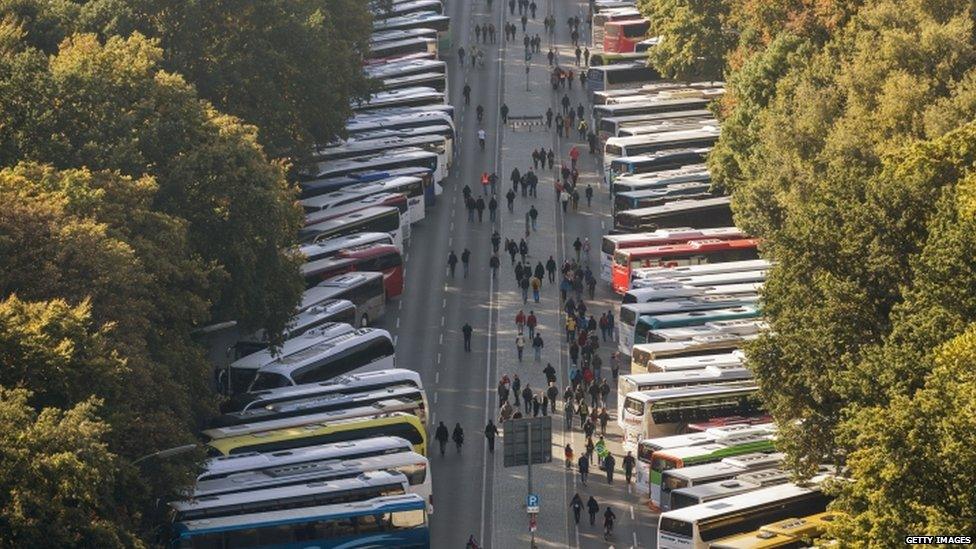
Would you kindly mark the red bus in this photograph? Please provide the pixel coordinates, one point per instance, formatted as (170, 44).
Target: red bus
(693, 252)
(623, 36)
(380, 258)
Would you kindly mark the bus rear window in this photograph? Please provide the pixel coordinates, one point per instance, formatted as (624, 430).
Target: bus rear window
(608, 246)
(673, 483)
(676, 527)
(268, 380)
(634, 407)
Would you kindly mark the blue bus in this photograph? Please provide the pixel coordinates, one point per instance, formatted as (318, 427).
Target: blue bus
(392, 521)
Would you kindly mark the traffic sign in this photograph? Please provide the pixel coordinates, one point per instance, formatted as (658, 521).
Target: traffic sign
(532, 503)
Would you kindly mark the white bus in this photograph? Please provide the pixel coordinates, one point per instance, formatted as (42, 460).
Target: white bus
(330, 310)
(242, 371)
(396, 35)
(661, 412)
(610, 126)
(683, 488)
(393, 49)
(644, 356)
(407, 97)
(365, 289)
(354, 148)
(411, 464)
(326, 403)
(722, 361)
(328, 358)
(332, 246)
(401, 158)
(694, 173)
(662, 292)
(223, 467)
(357, 203)
(706, 280)
(412, 187)
(376, 219)
(631, 314)
(652, 275)
(341, 385)
(741, 326)
(634, 129)
(650, 143)
(697, 526)
(613, 242)
(365, 486)
(633, 383)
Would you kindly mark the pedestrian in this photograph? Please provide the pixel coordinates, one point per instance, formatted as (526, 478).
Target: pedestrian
(603, 326)
(533, 216)
(516, 388)
(460, 54)
(458, 436)
(504, 111)
(610, 330)
(552, 393)
(579, 111)
(524, 285)
(466, 330)
(524, 20)
(511, 7)
(577, 506)
(466, 91)
(586, 254)
(512, 249)
(441, 436)
(568, 412)
(526, 397)
(523, 249)
(551, 157)
(588, 428)
(537, 345)
(540, 271)
(469, 204)
(583, 464)
(531, 322)
(592, 507)
(551, 269)
(544, 406)
(571, 332)
(609, 463)
(502, 391)
(591, 141)
(490, 433)
(586, 56)
(596, 364)
(491, 27)
(565, 103)
(577, 247)
(452, 261)
(604, 419)
(604, 391)
(520, 317)
(493, 264)
(519, 345)
(472, 543)
(496, 239)
(589, 447)
(466, 260)
(492, 208)
(550, 56)
(532, 8)
(629, 464)
(583, 411)
(480, 207)
(567, 454)
(579, 54)
(477, 33)
(510, 197)
(535, 283)
(581, 129)
(559, 125)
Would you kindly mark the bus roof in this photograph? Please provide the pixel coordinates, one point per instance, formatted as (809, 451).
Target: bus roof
(743, 502)
(734, 359)
(707, 244)
(653, 378)
(703, 269)
(694, 391)
(287, 364)
(291, 516)
(717, 446)
(664, 136)
(346, 383)
(292, 346)
(677, 206)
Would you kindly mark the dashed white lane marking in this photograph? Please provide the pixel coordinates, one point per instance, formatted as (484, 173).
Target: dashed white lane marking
(440, 340)
(442, 322)
(631, 512)
(603, 225)
(398, 322)
(437, 377)
(438, 358)
(435, 398)
(635, 538)
(443, 303)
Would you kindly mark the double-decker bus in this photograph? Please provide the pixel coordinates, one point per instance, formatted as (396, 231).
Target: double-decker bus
(701, 213)
(676, 458)
(623, 36)
(612, 243)
(698, 526)
(692, 252)
(380, 258)
(395, 521)
(648, 414)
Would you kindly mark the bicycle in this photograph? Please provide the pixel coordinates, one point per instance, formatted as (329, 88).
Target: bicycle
(607, 530)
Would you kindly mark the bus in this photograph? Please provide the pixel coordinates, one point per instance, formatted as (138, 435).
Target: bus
(365, 288)
(659, 196)
(396, 424)
(611, 243)
(611, 125)
(415, 188)
(619, 75)
(675, 290)
(395, 35)
(623, 36)
(316, 187)
(442, 129)
(270, 424)
(601, 58)
(336, 387)
(676, 458)
(412, 120)
(645, 355)
(647, 107)
(395, 521)
(652, 276)
(405, 67)
(702, 213)
(698, 526)
(632, 383)
(601, 15)
(419, 20)
(331, 246)
(380, 258)
(746, 326)
(303, 465)
(399, 8)
(359, 203)
(401, 180)
(224, 467)
(637, 129)
(791, 533)
(366, 486)
(631, 313)
(683, 488)
(742, 320)
(657, 162)
(357, 147)
(330, 310)
(691, 252)
(241, 372)
(389, 160)
(694, 173)
(650, 280)
(435, 80)
(735, 359)
(417, 96)
(326, 403)
(650, 143)
(397, 48)
(327, 359)
(375, 219)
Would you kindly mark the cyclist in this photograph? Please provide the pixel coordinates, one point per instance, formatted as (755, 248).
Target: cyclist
(466, 91)
(481, 138)
(480, 111)
(608, 518)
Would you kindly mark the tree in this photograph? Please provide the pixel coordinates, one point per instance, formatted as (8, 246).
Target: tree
(111, 107)
(695, 37)
(56, 477)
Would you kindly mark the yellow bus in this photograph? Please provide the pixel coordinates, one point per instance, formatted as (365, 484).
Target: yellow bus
(396, 424)
(784, 534)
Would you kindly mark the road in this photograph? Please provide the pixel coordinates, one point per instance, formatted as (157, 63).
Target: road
(474, 494)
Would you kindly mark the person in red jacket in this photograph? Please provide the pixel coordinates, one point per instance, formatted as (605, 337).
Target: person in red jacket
(531, 322)
(520, 320)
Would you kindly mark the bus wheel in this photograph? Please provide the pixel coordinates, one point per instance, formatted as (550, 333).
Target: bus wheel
(364, 321)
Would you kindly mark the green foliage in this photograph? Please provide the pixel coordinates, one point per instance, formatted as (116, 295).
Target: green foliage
(695, 37)
(56, 477)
